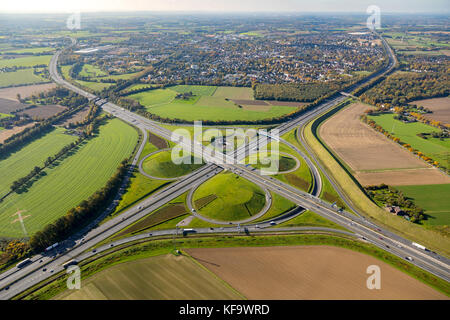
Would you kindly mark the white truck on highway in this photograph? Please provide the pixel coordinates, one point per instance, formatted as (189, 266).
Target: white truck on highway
(419, 246)
(53, 246)
(23, 263)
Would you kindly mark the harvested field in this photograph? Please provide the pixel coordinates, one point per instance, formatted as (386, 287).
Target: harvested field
(8, 106)
(160, 216)
(77, 117)
(5, 134)
(25, 91)
(439, 106)
(361, 147)
(406, 177)
(308, 272)
(158, 142)
(164, 277)
(44, 112)
(370, 155)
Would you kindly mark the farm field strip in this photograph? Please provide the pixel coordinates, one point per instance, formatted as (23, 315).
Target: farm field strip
(26, 61)
(20, 77)
(25, 91)
(160, 277)
(439, 106)
(34, 154)
(307, 272)
(72, 181)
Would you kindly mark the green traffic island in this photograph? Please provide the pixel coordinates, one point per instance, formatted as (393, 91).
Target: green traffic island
(144, 249)
(228, 197)
(161, 165)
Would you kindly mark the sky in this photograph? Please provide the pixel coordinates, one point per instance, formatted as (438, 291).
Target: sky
(406, 6)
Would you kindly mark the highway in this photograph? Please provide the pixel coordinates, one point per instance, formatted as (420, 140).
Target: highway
(17, 280)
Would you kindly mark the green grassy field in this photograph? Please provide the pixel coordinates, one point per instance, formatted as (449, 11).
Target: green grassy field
(161, 165)
(433, 199)
(166, 277)
(5, 115)
(237, 198)
(207, 104)
(407, 132)
(34, 154)
(234, 93)
(29, 50)
(93, 85)
(25, 61)
(24, 76)
(73, 180)
(90, 70)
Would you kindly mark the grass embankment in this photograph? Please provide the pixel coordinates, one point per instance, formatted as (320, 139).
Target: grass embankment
(159, 247)
(414, 232)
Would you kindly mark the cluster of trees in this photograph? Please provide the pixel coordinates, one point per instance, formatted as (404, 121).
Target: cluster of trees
(302, 92)
(13, 251)
(438, 135)
(60, 96)
(389, 196)
(401, 88)
(407, 146)
(184, 96)
(14, 121)
(80, 215)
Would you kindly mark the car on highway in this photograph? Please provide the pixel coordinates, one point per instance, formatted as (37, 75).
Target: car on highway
(409, 258)
(272, 223)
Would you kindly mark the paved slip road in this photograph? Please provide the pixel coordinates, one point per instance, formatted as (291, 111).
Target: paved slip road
(17, 280)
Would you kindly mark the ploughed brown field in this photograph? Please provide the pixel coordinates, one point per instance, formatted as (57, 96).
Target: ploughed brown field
(405, 177)
(308, 272)
(8, 106)
(5, 134)
(43, 112)
(439, 106)
(25, 91)
(77, 117)
(371, 156)
(160, 143)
